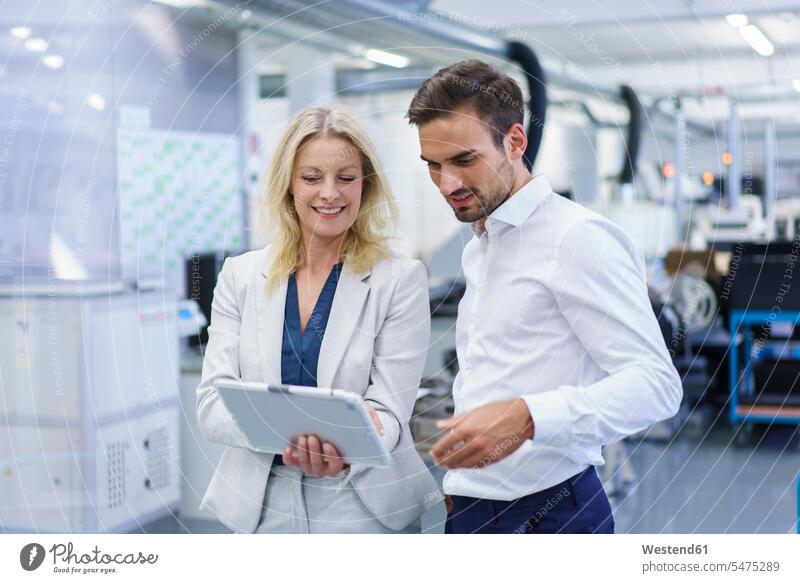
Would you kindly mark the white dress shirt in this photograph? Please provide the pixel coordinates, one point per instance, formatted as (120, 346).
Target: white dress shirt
(556, 312)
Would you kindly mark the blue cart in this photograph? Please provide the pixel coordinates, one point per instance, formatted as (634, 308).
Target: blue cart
(744, 410)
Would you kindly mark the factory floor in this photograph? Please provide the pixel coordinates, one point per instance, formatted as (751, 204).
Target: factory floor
(702, 482)
(698, 481)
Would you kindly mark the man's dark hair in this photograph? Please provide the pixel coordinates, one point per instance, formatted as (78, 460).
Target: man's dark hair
(496, 97)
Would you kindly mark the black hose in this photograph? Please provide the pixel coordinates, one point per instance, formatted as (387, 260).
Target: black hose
(634, 133)
(523, 55)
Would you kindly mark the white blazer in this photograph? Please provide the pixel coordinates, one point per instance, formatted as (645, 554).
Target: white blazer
(375, 344)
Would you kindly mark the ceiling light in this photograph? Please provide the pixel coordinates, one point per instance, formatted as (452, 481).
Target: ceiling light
(796, 84)
(186, 4)
(737, 20)
(180, 3)
(21, 32)
(37, 45)
(385, 58)
(53, 61)
(756, 39)
(96, 101)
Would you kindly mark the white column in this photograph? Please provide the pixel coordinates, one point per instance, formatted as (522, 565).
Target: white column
(311, 77)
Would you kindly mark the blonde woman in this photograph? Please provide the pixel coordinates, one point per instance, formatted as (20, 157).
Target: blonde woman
(324, 304)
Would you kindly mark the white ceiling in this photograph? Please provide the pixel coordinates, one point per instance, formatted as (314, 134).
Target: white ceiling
(543, 13)
(672, 47)
(678, 46)
(630, 31)
(679, 40)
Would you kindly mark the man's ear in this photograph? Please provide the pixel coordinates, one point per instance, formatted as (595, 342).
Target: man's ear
(516, 141)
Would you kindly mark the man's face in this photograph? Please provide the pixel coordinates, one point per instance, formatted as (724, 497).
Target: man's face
(473, 175)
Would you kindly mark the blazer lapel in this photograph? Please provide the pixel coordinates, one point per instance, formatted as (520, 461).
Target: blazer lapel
(348, 301)
(269, 312)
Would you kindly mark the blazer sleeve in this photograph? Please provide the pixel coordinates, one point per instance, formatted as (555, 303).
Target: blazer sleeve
(399, 353)
(221, 361)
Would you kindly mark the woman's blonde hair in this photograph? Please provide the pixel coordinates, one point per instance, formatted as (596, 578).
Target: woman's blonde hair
(367, 240)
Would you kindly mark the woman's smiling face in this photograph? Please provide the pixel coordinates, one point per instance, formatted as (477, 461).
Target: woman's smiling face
(327, 182)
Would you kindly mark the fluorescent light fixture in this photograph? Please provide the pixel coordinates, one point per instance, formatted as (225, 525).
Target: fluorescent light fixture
(53, 61)
(21, 32)
(737, 20)
(183, 3)
(385, 58)
(37, 45)
(96, 101)
(796, 85)
(756, 39)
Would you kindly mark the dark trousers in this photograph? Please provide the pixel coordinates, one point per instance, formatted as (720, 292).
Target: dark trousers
(576, 505)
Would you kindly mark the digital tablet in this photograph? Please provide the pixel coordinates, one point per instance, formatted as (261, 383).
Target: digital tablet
(272, 416)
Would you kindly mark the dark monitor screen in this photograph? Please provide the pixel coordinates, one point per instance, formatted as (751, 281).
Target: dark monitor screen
(202, 270)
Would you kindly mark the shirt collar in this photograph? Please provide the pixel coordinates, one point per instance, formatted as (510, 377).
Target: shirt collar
(519, 207)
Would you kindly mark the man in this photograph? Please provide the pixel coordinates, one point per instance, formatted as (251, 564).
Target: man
(558, 348)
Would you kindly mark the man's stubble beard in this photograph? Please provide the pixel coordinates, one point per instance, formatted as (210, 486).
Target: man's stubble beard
(488, 204)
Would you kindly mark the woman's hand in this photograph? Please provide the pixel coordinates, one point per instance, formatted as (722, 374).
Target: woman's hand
(320, 458)
(315, 457)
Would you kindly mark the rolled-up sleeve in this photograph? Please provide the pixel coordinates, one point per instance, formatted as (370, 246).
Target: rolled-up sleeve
(599, 285)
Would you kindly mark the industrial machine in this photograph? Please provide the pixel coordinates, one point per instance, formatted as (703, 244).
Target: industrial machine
(90, 407)
(764, 326)
(746, 222)
(787, 219)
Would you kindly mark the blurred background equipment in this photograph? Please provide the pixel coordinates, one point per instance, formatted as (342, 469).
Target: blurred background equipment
(143, 170)
(90, 408)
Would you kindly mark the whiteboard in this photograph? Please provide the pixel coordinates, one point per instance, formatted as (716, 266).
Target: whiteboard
(179, 194)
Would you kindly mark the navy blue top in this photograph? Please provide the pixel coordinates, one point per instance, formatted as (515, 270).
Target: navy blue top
(300, 351)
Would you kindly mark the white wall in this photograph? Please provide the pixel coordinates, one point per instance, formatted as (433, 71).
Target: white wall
(426, 220)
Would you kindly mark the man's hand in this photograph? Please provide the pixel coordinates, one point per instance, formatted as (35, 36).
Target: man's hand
(484, 435)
